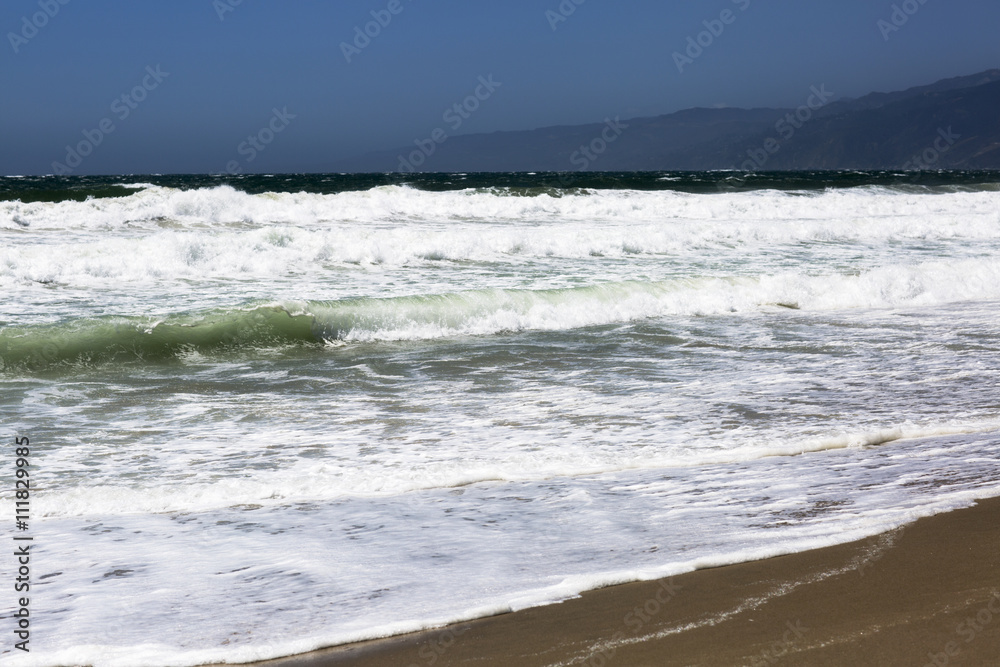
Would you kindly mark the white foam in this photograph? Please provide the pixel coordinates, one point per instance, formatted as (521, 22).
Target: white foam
(308, 481)
(339, 243)
(495, 311)
(836, 214)
(373, 573)
(480, 312)
(408, 485)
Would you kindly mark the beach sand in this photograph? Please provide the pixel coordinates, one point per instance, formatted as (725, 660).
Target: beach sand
(924, 594)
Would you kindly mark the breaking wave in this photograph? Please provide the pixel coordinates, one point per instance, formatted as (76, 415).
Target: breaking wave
(485, 312)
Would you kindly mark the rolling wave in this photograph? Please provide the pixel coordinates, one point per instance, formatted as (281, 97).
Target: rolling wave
(160, 233)
(157, 206)
(485, 312)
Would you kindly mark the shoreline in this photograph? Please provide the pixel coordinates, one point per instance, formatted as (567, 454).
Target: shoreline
(927, 593)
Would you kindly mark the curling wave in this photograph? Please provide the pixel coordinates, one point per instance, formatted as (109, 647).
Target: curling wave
(486, 312)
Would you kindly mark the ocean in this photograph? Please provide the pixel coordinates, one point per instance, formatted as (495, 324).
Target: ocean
(273, 413)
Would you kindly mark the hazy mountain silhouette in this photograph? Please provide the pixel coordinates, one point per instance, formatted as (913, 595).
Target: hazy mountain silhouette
(951, 124)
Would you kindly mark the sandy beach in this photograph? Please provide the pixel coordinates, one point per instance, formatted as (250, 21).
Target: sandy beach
(924, 594)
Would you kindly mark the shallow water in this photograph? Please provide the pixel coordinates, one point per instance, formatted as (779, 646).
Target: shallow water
(263, 423)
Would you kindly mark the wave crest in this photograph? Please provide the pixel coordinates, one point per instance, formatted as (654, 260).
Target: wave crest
(486, 312)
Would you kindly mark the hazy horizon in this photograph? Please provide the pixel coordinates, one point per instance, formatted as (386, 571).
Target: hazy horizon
(209, 85)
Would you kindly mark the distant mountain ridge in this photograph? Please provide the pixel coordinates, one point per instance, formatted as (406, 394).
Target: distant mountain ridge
(950, 124)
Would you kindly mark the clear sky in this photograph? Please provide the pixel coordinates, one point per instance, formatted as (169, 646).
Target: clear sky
(178, 86)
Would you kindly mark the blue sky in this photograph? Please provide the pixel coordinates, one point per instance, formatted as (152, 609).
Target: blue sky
(202, 76)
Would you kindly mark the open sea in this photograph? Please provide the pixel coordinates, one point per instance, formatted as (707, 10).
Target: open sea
(273, 413)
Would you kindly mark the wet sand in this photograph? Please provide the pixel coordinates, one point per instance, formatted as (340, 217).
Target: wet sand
(924, 594)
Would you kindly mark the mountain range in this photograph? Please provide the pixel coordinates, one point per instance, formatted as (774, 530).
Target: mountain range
(951, 124)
